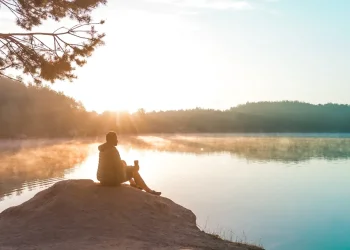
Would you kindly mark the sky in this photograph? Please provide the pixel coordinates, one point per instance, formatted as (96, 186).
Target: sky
(182, 54)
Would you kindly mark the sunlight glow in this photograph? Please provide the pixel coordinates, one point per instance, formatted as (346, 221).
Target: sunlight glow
(147, 62)
(162, 55)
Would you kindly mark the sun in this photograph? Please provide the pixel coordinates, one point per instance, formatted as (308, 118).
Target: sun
(112, 108)
(109, 101)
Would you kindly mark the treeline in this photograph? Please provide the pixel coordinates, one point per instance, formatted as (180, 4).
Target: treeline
(261, 117)
(31, 111)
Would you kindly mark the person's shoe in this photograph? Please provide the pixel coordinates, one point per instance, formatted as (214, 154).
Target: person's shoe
(155, 193)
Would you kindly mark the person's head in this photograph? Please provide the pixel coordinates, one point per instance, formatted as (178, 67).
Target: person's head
(111, 138)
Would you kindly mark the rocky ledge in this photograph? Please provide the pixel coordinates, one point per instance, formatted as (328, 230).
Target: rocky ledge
(81, 214)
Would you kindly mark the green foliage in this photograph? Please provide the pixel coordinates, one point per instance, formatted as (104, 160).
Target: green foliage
(49, 56)
(37, 111)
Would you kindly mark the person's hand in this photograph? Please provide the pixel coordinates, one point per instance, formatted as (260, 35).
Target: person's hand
(136, 165)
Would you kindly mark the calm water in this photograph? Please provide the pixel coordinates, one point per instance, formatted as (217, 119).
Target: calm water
(286, 193)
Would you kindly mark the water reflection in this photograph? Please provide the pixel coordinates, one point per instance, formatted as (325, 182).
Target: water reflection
(38, 163)
(29, 165)
(263, 148)
(291, 192)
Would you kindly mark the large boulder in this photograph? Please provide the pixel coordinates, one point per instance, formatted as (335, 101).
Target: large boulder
(80, 214)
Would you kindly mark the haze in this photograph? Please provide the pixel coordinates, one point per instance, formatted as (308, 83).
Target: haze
(215, 54)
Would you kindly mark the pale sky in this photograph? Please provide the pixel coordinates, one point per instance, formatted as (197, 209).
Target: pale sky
(179, 54)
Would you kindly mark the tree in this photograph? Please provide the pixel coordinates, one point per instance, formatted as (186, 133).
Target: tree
(49, 56)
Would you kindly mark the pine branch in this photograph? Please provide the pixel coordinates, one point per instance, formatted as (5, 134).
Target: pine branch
(34, 53)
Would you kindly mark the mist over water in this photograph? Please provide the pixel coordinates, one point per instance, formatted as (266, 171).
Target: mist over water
(283, 191)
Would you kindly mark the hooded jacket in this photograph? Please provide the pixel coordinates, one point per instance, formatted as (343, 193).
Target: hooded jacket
(110, 167)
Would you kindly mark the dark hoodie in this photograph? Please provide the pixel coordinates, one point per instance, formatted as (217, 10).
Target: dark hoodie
(110, 167)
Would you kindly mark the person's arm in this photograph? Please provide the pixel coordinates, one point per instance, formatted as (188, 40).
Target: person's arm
(118, 158)
(119, 165)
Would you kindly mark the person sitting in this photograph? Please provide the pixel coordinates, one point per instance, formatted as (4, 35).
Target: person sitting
(112, 171)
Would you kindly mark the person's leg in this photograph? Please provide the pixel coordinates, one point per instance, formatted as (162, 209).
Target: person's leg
(128, 175)
(141, 183)
(132, 182)
(134, 177)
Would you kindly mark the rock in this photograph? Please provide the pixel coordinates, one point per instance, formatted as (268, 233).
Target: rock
(81, 214)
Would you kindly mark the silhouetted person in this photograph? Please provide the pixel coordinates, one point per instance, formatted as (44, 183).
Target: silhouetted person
(112, 171)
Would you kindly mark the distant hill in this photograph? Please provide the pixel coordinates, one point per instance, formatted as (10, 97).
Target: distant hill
(285, 116)
(41, 112)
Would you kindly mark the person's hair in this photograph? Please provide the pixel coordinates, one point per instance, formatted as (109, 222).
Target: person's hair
(110, 136)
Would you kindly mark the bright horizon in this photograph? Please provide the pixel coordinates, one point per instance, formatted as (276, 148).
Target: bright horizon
(169, 54)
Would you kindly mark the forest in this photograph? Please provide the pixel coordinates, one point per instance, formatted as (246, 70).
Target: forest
(31, 111)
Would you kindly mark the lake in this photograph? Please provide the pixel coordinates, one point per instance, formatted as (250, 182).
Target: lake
(286, 192)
